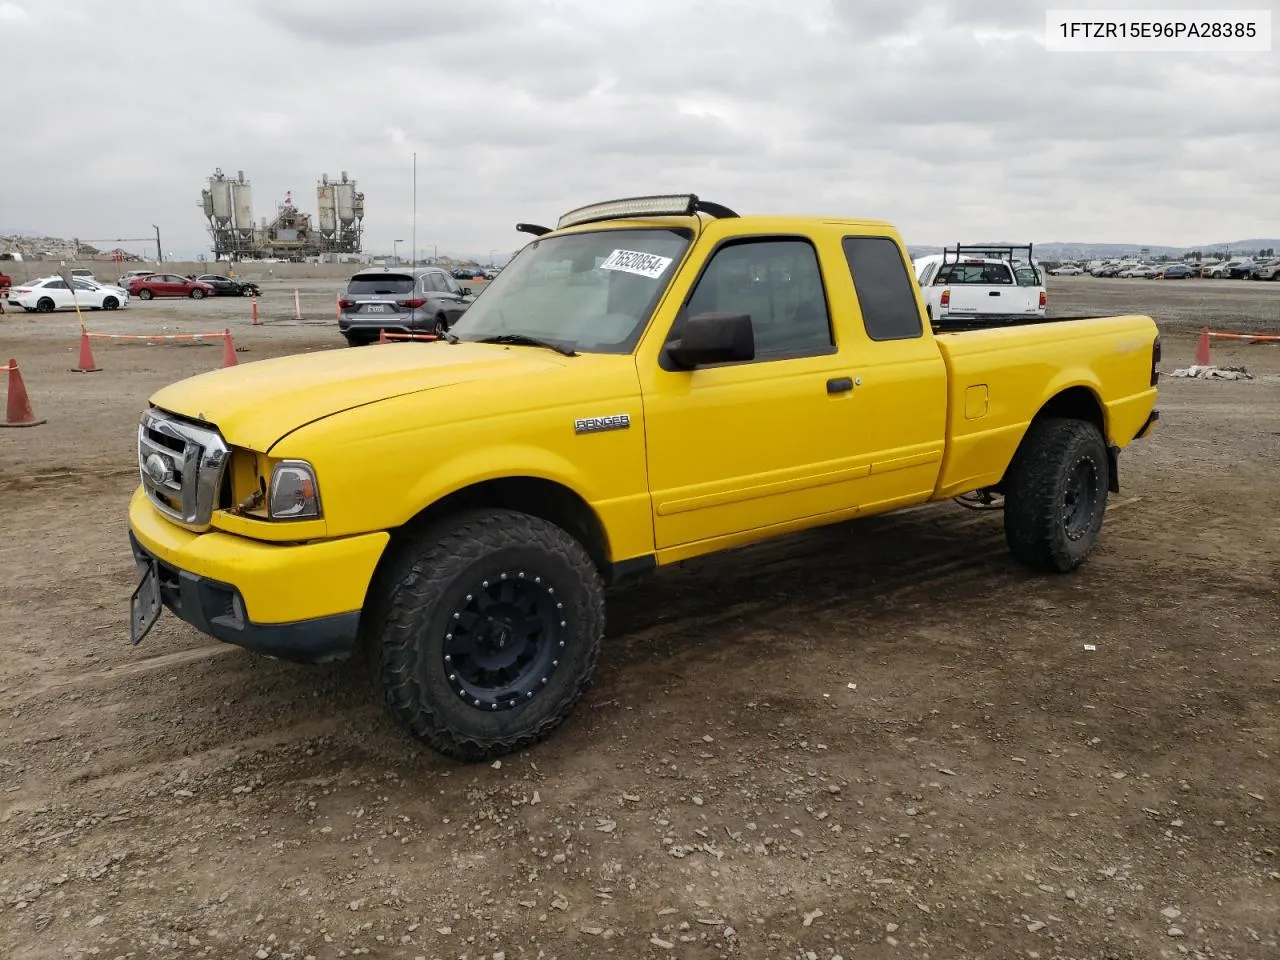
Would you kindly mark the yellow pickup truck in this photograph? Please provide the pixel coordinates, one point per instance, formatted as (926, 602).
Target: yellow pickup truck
(654, 379)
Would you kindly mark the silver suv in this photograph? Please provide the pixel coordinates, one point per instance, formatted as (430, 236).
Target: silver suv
(416, 300)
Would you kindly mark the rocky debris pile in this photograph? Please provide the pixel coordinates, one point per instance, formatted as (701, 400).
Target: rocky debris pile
(1210, 372)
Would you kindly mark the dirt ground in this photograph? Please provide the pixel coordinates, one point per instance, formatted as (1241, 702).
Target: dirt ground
(878, 740)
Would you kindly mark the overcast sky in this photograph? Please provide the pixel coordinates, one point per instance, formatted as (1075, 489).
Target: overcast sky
(950, 119)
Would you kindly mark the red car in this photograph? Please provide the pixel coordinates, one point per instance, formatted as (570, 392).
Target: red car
(168, 285)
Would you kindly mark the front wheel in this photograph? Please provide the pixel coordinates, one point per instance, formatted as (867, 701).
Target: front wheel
(197, 294)
(110, 303)
(145, 294)
(1056, 495)
(487, 630)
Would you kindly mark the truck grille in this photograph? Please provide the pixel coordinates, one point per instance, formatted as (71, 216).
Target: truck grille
(182, 466)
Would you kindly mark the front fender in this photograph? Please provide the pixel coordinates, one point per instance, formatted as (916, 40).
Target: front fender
(494, 463)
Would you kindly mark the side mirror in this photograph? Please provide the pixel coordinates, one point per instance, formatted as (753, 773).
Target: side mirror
(466, 291)
(713, 338)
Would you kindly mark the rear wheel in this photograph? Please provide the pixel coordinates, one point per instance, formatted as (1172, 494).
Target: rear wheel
(1056, 495)
(486, 630)
(44, 305)
(354, 341)
(441, 325)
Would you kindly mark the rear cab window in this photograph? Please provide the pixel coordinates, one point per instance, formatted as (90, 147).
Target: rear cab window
(977, 274)
(885, 288)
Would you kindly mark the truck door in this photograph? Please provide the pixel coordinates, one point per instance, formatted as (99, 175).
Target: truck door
(735, 448)
(898, 409)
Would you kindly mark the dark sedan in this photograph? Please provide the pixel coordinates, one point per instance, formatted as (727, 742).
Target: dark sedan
(229, 286)
(1176, 272)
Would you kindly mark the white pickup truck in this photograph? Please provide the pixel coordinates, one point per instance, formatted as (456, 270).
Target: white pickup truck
(966, 284)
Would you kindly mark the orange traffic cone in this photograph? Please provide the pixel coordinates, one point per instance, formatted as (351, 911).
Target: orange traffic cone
(255, 321)
(87, 364)
(228, 349)
(18, 412)
(1202, 349)
(382, 337)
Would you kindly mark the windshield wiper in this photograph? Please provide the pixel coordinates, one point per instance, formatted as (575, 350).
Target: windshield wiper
(520, 339)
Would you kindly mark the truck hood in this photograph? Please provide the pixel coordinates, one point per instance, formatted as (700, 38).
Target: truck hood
(255, 405)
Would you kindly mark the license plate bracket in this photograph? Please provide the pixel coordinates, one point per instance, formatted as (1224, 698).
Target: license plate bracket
(145, 604)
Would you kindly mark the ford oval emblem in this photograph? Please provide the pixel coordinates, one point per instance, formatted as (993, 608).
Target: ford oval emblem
(158, 469)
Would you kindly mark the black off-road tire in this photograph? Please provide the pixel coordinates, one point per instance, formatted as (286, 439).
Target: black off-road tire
(1056, 495)
(414, 609)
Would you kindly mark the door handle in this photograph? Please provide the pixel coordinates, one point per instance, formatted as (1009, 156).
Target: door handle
(993, 293)
(839, 385)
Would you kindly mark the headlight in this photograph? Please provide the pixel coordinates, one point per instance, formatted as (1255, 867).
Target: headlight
(294, 494)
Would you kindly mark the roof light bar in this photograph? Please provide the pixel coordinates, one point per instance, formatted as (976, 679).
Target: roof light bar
(666, 205)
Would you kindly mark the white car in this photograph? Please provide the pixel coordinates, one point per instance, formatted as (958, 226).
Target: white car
(1067, 271)
(131, 275)
(52, 293)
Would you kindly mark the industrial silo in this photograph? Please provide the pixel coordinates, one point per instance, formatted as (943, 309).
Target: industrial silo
(327, 204)
(242, 194)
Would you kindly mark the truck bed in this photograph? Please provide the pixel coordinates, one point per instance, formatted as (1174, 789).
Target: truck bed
(953, 324)
(998, 377)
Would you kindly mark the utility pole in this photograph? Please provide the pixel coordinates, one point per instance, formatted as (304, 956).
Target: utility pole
(415, 208)
(159, 249)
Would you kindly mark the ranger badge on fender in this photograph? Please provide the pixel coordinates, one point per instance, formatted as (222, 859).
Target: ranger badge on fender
(617, 421)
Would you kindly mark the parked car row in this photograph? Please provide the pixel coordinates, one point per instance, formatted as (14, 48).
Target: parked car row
(47, 294)
(1242, 269)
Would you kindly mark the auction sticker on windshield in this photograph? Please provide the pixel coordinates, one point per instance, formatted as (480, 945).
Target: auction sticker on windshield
(633, 261)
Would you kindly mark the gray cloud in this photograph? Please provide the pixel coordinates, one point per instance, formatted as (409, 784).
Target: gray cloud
(949, 119)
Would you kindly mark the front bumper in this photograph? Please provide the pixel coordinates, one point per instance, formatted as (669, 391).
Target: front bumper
(297, 602)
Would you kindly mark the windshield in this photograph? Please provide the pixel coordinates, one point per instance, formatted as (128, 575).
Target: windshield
(590, 292)
(383, 284)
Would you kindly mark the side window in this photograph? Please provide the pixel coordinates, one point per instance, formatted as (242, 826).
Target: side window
(927, 276)
(438, 282)
(779, 285)
(57, 285)
(450, 284)
(884, 288)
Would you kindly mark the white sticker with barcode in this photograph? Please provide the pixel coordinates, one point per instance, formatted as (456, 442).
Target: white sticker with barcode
(633, 261)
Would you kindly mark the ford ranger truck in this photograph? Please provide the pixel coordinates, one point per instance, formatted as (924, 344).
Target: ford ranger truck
(654, 379)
